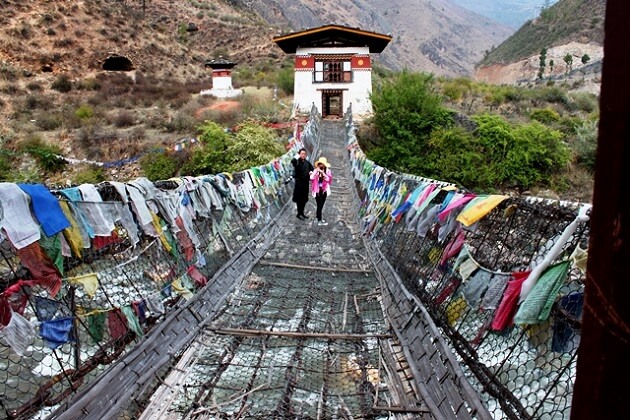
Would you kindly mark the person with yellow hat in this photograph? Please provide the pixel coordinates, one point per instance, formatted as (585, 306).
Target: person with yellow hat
(321, 178)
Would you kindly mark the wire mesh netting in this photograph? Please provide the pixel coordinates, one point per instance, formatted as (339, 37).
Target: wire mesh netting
(75, 302)
(517, 342)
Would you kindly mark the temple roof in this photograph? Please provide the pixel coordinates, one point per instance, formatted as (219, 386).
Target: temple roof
(332, 36)
(220, 63)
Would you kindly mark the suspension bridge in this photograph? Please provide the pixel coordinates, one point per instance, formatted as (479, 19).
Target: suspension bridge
(246, 311)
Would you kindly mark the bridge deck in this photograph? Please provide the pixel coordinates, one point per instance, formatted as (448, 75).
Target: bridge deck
(304, 335)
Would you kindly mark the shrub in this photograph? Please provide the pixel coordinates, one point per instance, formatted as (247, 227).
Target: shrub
(545, 116)
(585, 144)
(90, 175)
(62, 84)
(181, 122)
(88, 84)
(285, 80)
(10, 89)
(583, 101)
(536, 153)
(158, 165)
(551, 94)
(48, 121)
(137, 133)
(211, 156)
(406, 111)
(8, 72)
(124, 119)
(454, 155)
(253, 145)
(6, 166)
(48, 156)
(84, 112)
(34, 86)
(260, 108)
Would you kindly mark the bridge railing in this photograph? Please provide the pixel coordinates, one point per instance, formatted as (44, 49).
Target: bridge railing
(79, 298)
(502, 278)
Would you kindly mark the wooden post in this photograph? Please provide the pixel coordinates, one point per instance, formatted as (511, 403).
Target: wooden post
(603, 365)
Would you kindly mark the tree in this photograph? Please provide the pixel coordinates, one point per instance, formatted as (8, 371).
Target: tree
(219, 151)
(543, 59)
(406, 110)
(585, 59)
(551, 63)
(568, 59)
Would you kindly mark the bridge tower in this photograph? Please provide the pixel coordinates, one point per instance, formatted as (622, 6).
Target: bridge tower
(221, 79)
(333, 68)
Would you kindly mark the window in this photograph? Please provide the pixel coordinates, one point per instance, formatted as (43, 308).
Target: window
(332, 72)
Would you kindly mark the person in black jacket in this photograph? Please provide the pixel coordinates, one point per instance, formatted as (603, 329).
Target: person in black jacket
(301, 172)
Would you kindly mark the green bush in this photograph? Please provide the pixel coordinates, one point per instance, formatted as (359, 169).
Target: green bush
(90, 175)
(583, 101)
(254, 145)
(494, 135)
(551, 94)
(585, 144)
(84, 112)
(545, 116)
(406, 110)
(48, 156)
(456, 156)
(285, 80)
(158, 165)
(211, 155)
(219, 151)
(537, 153)
(456, 89)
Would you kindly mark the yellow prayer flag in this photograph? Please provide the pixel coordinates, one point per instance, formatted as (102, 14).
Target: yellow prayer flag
(478, 208)
(181, 290)
(88, 281)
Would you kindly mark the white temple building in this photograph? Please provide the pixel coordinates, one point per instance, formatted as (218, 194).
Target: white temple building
(333, 68)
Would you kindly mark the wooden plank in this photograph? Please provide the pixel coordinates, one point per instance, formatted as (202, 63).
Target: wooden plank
(328, 336)
(316, 268)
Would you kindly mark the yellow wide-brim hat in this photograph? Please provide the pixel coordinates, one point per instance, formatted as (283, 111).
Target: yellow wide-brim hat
(324, 161)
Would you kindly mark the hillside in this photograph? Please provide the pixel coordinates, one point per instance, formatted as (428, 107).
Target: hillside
(513, 13)
(571, 32)
(580, 21)
(169, 40)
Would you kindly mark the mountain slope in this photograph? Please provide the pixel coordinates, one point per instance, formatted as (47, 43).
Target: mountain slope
(566, 21)
(572, 34)
(436, 37)
(513, 13)
(173, 38)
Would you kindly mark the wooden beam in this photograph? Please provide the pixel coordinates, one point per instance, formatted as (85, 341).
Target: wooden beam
(602, 364)
(295, 334)
(310, 267)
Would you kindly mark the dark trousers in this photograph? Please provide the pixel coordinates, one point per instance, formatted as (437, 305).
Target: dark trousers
(300, 207)
(320, 199)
